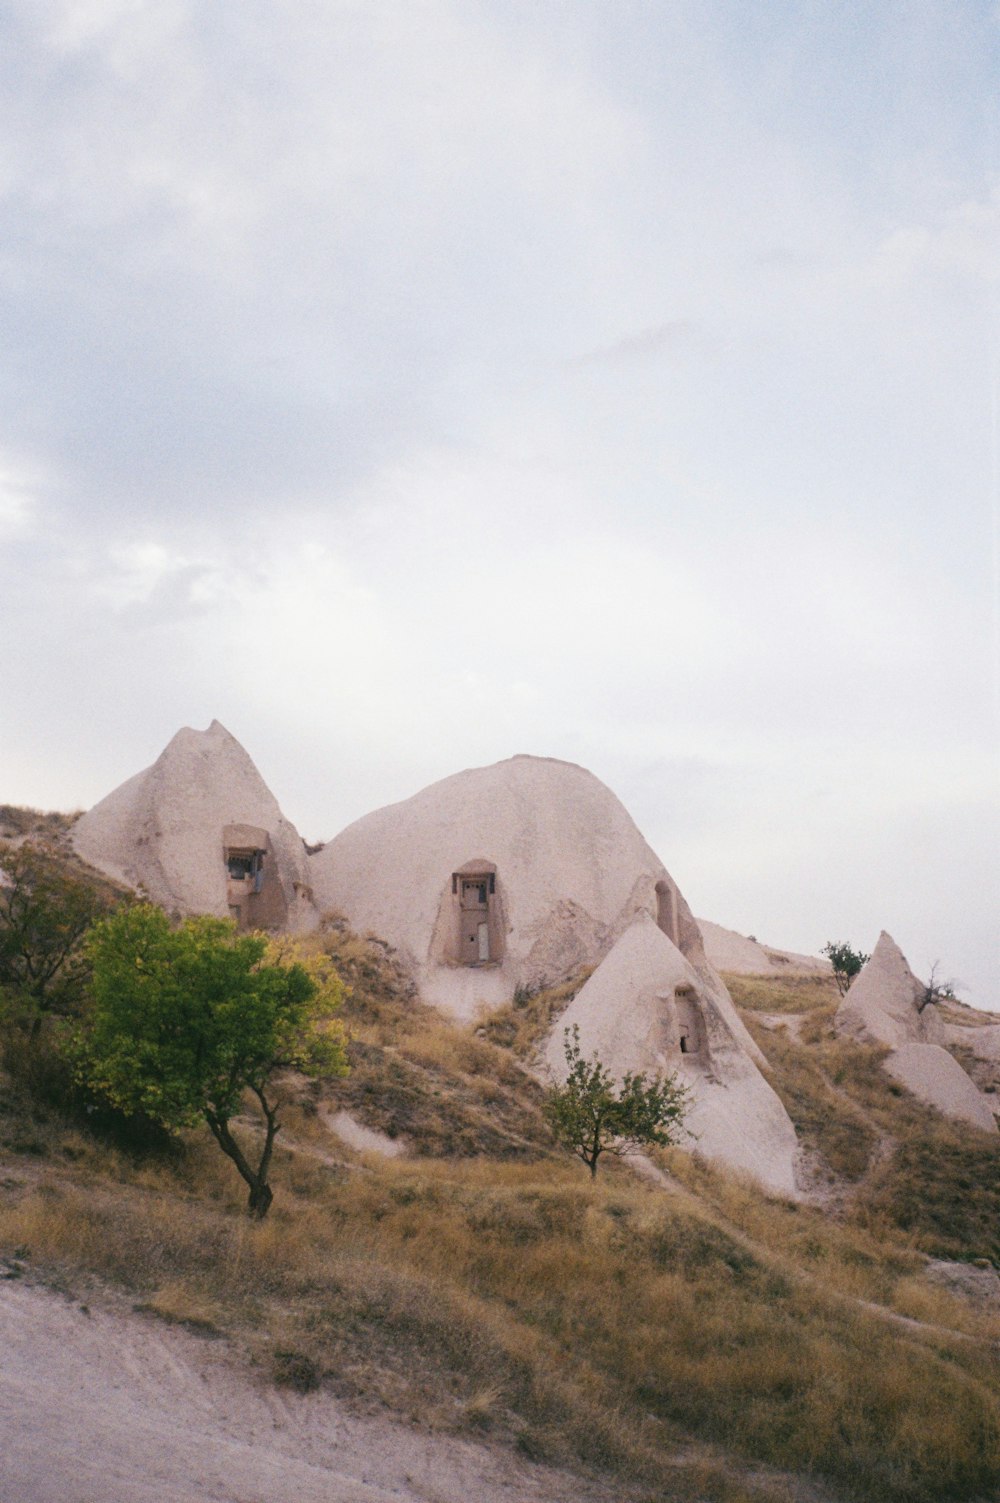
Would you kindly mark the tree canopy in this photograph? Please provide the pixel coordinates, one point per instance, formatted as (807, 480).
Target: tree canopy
(44, 915)
(845, 961)
(590, 1115)
(185, 1020)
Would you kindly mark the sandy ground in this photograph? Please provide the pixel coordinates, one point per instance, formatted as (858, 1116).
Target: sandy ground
(100, 1405)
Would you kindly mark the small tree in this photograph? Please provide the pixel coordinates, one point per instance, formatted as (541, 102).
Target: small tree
(936, 990)
(846, 963)
(185, 1021)
(589, 1115)
(44, 915)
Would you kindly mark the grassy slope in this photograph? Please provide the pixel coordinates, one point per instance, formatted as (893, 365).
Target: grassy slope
(675, 1341)
(907, 1170)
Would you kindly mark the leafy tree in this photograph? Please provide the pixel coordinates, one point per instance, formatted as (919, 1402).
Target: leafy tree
(846, 963)
(590, 1115)
(44, 915)
(185, 1021)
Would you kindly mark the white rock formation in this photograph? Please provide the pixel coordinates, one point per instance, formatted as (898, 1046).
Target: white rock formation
(883, 1006)
(936, 1078)
(883, 1003)
(643, 1000)
(200, 832)
(728, 951)
(514, 874)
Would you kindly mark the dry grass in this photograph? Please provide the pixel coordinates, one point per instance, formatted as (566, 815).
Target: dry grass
(444, 1089)
(826, 1119)
(937, 1182)
(526, 1022)
(19, 823)
(688, 1344)
(942, 1188)
(792, 994)
(604, 1324)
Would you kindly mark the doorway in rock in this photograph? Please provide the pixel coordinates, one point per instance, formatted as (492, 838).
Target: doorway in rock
(690, 1024)
(479, 930)
(475, 906)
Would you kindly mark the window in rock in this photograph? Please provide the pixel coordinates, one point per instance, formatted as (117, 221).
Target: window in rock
(246, 866)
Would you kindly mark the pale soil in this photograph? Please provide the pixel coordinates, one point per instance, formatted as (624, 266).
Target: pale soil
(102, 1405)
(362, 1139)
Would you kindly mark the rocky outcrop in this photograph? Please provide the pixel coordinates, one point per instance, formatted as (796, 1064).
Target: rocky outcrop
(934, 1077)
(887, 1005)
(884, 1003)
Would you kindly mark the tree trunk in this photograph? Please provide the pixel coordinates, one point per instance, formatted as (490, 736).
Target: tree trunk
(259, 1200)
(261, 1195)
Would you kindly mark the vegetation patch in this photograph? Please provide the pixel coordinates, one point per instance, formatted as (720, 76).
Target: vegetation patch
(523, 1024)
(943, 1189)
(793, 994)
(826, 1118)
(604, 1324)
(692, 1343)
(445, 1089)
(934, 1181)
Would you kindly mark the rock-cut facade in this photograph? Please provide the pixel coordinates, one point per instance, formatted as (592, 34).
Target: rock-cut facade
(500, 877)
(647, 1009)
(529, 870)
(200, 832)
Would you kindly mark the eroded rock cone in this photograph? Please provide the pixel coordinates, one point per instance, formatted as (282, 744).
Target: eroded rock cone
(504, 876)
(200, 832)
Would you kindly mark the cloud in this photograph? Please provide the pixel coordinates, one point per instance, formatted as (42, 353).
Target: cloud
(668, 338)
(409, 386)
(18, 486)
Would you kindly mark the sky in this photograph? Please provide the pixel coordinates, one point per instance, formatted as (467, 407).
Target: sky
(412, 383)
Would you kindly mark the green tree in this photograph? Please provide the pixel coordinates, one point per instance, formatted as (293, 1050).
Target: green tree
(185, 1021)
(44, 915)
(590, 1115)
(846, 963)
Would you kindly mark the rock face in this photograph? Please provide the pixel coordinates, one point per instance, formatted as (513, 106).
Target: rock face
(935, 1077)
(499, 877)
(200, 832)
(729, 951)
(883, 1007)
(983, 1039)
(646, 1008)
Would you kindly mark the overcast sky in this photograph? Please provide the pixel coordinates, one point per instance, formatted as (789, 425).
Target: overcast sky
(410, 383)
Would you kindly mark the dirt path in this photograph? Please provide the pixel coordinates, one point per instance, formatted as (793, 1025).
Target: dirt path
(107, 1406)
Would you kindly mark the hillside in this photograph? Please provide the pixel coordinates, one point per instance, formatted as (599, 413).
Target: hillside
(671, 1334)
